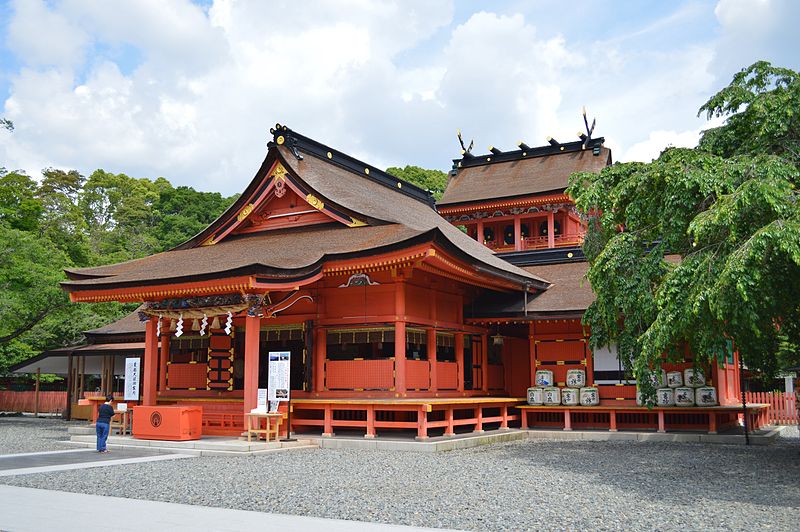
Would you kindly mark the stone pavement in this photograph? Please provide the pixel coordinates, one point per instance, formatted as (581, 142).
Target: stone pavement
(45, 462)
(28, 509)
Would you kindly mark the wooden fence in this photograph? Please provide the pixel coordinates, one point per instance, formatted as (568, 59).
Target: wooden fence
(782, 406)
(12, 401)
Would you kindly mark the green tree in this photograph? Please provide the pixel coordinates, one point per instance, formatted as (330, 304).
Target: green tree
(727, 211)
(434, 181)
(19, 206)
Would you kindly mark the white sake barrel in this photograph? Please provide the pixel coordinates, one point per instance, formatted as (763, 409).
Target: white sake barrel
(552, 396)
(590, 396)
(639, 398)
(705, 396)
(694, 377)
(535, 396)
(674, 379)
(576, 378)
(544, 377)
(684, 396)
(570, 396)
(665, 397)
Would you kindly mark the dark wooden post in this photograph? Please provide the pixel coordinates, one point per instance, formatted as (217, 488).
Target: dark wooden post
(36, 394)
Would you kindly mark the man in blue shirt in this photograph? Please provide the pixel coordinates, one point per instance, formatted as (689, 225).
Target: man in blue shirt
(103, 425)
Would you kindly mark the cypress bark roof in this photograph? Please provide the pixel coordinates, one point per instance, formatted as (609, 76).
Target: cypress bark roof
(508, 177)
(397, 215)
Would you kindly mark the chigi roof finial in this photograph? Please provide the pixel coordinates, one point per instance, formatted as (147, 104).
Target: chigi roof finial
(586, 137)
(465, 151)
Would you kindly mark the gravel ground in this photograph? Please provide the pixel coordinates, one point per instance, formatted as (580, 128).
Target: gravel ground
(514, 486)
(27, 434)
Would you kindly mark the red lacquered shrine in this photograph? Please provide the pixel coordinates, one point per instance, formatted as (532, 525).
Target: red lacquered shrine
(395, 317)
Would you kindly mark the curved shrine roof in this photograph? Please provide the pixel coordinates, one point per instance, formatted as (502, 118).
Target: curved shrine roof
(520, 176)
(394, 217)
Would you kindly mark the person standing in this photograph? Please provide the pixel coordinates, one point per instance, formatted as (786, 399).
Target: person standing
(103, 425)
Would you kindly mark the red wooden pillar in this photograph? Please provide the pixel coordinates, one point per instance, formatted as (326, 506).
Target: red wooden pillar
(661, 424)
(504, 415)
(400, 337)
(459, 347)
(612, 416)
(532, 352)
(150, 369)
(370, 422)
(448, 431)
(479, 419)
(480, 232)
(517, 234)
(712, 423)
(320, 337)
(252, 332)
(551, 227)
(434, 387)
(422, 422)
(485, 363)
(523, 419)
(567, 420)
(327, 423)
(162, 371)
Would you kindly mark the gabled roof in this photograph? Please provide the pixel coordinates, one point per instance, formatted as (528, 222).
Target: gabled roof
(371, 212)
(522, 172)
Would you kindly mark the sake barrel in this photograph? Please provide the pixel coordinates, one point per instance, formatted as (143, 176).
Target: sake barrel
(535, 395)
(576, 378)
(674, 379)
(705, 396)
(544, 377)
(570, 396)
(639, 398)
(551, 396)
(665, 397)
(590, 396)
(694, 378)
(684, 396)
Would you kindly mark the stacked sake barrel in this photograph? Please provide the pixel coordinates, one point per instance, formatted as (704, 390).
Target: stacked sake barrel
(575, 393)
(687, 388)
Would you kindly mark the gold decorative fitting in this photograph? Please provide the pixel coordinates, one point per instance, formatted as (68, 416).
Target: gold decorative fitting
(569, 255)
(245, 212)
(356, 223)
(330, 155)
(399, 184)
(524, 154)
(209, 242)
(366, 171)
(488, 159)
(315, 202)
(280, 140)
(280, 172)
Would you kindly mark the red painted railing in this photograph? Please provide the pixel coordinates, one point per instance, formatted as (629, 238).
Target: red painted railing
(11, 401)
(782, 406)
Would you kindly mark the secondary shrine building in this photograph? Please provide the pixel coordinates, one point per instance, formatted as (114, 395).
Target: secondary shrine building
(399, 313)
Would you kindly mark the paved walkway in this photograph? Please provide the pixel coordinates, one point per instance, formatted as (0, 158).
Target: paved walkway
(33, 509)
(45, 462)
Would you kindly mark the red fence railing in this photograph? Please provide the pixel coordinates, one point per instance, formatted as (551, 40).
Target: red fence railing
(782, 406)
(13, 401)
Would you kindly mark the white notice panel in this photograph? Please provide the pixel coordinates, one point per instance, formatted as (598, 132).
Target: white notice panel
(279, 364)
(262, 400)
(132, 379)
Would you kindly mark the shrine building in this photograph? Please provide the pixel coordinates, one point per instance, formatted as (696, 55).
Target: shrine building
(400, 314)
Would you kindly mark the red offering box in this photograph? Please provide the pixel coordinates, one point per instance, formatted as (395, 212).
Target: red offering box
(174, 423)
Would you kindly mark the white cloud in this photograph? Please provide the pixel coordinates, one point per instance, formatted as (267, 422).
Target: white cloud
(40, 36)
(389, 82)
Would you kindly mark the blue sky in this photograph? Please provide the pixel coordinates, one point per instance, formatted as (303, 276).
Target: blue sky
(188, 91)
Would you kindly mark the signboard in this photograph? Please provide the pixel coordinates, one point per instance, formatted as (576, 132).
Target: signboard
(279, 375)
(132, 379)
(261, 406)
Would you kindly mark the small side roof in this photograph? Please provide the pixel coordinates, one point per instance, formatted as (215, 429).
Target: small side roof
(522, 172)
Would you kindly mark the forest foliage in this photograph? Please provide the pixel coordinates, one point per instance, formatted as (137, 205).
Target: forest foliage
(66, 220)
(702, 246)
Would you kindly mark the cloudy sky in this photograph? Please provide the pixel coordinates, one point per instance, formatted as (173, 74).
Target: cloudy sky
(188, 90)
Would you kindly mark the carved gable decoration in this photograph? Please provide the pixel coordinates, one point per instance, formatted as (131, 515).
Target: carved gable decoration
(281, 200)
